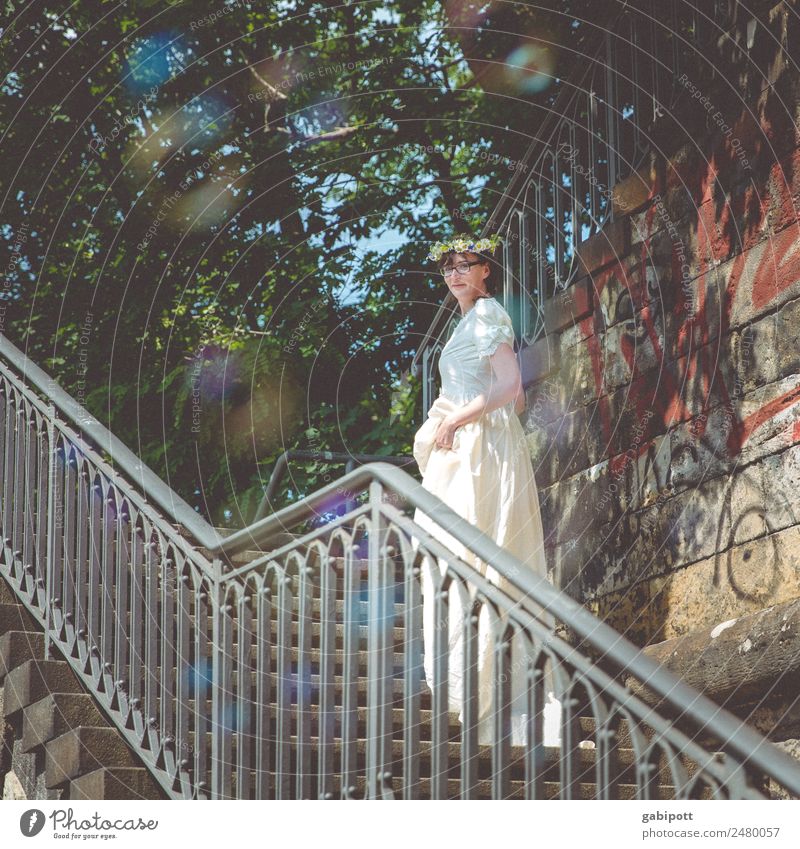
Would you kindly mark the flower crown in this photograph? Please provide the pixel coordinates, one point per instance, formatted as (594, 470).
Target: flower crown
(464, 242)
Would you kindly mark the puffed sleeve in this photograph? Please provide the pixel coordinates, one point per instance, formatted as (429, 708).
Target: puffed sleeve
(492, 327)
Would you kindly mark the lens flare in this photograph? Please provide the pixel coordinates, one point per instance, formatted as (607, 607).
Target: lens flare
(529, 69)
(148, 60)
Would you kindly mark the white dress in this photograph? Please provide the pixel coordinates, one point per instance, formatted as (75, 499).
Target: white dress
(488, 479)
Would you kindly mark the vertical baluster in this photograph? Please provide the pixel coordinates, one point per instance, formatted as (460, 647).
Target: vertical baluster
(604, 761)
(166, 722)
(18, 491)
(574, 203)
(558, 216)
(107, 592)
(201, 676)
(151, 634)
(185, 592)
(351, 588)
(326, 722)
(27, 580)
(42, 513)
(56, 533)
(501, 704)
(412, 677)
(379, 655)
(264, 748)
(440, 756)
(535, 763)
(51, 579)
(8, 455)
(70, 509)
(244, 695)
(570, 754)
(122, 634)
(4, 436)
(222, 698)
(18, 496)
(8, 467)
(527, 298)
(508, 269)
(593, 144)
(283, 768)
(471, 703)
(305, 613)
(540, 248)
(611, 116)
(81, 567)
(136, 638)
(95, 555)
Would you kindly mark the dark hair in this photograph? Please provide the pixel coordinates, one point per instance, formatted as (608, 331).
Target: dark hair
(484, 257)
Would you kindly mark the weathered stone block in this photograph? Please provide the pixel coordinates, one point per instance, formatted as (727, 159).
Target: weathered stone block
(566, 308)
(83, 750)
(608, 246)
(35, 679)
(638, 189)
(54, 715)
(17, 647)
(539, 360)
(14, 617)
(116, 783)
(739, 659)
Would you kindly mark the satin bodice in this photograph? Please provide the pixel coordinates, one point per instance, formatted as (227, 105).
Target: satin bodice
(464, 367)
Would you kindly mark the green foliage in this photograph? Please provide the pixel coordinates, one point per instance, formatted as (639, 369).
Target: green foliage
(225, 222)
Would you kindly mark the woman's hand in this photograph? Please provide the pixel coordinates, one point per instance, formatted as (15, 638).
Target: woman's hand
(445, 432)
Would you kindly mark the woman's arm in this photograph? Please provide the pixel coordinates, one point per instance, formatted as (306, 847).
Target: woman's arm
(506, 387)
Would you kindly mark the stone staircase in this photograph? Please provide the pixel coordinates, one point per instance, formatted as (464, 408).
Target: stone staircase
(57, 744)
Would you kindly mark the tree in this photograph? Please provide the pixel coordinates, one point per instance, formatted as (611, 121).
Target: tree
(226, 215)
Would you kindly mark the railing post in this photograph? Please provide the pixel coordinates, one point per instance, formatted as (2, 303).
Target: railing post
(51, 509)
(218, 671)
(379, 646)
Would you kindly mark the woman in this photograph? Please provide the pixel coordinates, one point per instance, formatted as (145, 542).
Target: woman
(473, 455)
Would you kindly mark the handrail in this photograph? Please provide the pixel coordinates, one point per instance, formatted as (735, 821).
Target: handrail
(282, 464)
(98, 435)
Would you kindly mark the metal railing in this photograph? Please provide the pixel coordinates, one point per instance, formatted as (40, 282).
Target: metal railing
(346, 459)
(248, 681)
(595, 134)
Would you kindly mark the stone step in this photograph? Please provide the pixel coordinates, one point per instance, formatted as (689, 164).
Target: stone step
(398, 633)
(361, 612)
(83, 750)
(315, 657)
(424, 720)
(548, 758)
(14, 617)
(57, 714)
(116, 783)
(483, 789)
(32, 680)
(17, 647)
(7, 595)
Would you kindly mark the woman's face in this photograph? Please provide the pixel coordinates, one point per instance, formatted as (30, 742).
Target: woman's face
(466, 287)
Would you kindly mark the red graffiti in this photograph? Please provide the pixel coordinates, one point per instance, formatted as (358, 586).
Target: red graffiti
(766, 268)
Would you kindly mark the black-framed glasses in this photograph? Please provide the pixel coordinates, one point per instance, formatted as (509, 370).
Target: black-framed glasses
(461, 267)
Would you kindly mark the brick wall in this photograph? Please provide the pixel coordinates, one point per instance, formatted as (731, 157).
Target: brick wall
(664, 404)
